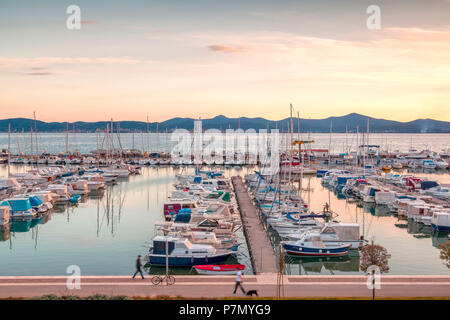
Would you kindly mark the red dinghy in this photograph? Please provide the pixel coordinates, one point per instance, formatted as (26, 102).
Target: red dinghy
(219, 269)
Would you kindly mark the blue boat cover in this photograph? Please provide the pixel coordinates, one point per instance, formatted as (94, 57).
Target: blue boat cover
(18, 204)
(197, 179)
(428, 184)
(183, 216)
(35, 201)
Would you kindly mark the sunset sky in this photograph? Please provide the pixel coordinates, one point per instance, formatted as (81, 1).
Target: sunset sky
(189, 58)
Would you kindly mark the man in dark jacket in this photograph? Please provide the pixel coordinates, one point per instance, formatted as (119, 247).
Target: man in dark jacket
(138, 267)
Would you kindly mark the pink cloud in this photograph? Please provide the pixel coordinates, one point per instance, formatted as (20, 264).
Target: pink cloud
(228, 49)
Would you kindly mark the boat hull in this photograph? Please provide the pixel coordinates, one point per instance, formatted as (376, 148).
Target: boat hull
(219, 269)
(440, 228)
(316, 252)
(186, 261)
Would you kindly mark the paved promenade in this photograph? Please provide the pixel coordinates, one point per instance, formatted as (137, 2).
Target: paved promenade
(222, 286)
(261, 251)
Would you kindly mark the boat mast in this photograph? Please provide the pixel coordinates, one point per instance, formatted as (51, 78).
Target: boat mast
(112, 137)
(157, 137)
(300, 156)
(9, 147)
(367, 138)
(35, 135)
(96, 131)
(107, 143)
(167, 140)
(290, 147)
(31, 143)
(67, 138)
(148, 138)
(329, 144)
(118, 139)
(357, 145)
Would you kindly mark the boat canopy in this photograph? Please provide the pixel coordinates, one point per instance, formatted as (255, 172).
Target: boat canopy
(183, 216)
(17, 204)
(225, 196)
(424, 185)
(35, 201)
(159, 245)
(197, 179)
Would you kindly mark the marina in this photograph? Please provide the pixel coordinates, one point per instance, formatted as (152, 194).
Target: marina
(225, 159)
(113, 219)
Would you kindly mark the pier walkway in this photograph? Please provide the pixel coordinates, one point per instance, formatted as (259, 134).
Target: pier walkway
(211, 287)
(259, 246)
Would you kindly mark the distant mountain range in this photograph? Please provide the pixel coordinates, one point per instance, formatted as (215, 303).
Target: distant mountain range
(339, 124)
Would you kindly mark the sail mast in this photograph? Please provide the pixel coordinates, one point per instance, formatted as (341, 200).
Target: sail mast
(329, 144)
(9, 147)
(67, 138)
(148, 138)
(35, 134)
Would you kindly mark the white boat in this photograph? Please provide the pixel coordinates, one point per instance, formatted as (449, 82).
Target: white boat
(428, 164)
(59, 192)
(19, 207)
(222, 269)
(440, 192)
(5, 214)
(94, 181)
(312, 245)
(441, 164)
(384, 197)
(441, 220)
(397, 164)
(368, 193)
(183, 253)
(332, 233)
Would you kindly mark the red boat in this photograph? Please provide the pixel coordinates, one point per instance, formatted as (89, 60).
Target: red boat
(219, 269)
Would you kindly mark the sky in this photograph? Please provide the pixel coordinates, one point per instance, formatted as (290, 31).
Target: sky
(201, 58)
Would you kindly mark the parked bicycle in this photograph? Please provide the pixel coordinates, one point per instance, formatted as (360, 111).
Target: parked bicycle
(156, 280)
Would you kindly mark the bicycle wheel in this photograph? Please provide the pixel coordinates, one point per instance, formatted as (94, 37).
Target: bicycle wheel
(171, 280)
(156, 280)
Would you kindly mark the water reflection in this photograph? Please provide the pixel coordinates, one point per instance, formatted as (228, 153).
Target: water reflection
(102, 234)
(324, 265)
(105, 232)
(397, 234)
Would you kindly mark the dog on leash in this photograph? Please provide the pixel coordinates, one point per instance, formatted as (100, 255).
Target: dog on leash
(251, 293)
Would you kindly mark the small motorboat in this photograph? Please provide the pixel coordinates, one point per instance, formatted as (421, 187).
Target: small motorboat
(226, 269)
(183, 253)
(75, 199)
(313, 245)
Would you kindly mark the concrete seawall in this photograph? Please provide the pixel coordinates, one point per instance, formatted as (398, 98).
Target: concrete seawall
(222, 286)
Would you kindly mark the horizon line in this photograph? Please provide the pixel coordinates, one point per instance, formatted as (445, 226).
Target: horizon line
(222, 115)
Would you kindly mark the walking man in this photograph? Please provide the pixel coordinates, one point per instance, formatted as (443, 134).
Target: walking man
(238, 282)
(138, 267)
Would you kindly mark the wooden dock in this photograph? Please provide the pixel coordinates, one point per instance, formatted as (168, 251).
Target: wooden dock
(260, 249)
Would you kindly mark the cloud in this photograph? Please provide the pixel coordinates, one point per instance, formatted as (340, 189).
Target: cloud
(88, 21)
(228, 49)
(43, 73)
(46, 61)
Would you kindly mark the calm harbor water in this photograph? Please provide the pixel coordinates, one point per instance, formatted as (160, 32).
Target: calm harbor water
(413, 247)
(161, 142)
(104, 233)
